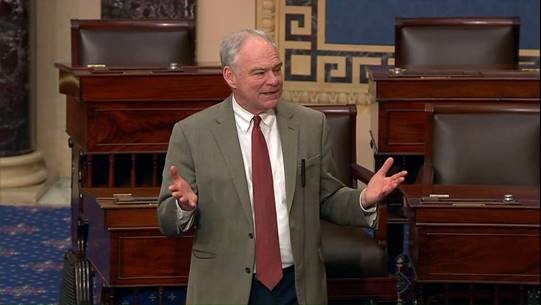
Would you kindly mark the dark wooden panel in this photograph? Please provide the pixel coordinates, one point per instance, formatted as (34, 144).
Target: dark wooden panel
(529, 195)
(134, 109)
(116, 127)
(132, 218)
(164, 87)
(474, 239)
(478, 253)
(126, 216)
(448, 87)
(147, 257)
(402, 128)
(99, 238)
(76, 120)
(108, 192)
(379, 289)
(438, 214)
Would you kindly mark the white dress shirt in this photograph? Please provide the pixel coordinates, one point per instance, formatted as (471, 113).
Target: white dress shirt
(269, 128)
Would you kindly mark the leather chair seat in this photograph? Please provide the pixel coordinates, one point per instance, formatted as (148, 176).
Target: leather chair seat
(495, 148)
(151, 43)
(350, 252)
(482, 144)
(457, 42)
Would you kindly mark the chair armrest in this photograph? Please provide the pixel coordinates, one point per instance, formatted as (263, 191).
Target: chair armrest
(381, 230)
(361, 173)
(426, 174)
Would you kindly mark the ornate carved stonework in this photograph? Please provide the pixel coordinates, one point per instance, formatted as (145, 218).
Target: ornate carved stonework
(14, 80)
(148, 9)
(265, 16)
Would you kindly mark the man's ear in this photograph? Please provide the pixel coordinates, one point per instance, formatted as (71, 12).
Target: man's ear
(230, 77)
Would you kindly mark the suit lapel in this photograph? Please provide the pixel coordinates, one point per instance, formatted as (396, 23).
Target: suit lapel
(288, 128)
(225, 134)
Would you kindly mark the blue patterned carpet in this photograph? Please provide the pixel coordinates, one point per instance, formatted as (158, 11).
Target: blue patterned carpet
(33, 241)
(32, 245)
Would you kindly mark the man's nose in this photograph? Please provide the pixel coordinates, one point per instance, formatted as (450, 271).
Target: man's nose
(274, 78)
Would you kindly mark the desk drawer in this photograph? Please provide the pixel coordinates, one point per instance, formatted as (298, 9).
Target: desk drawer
(126, 247)
(145, 257)
(481, 254)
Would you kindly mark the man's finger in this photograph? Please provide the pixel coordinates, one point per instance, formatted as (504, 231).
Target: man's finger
(399, 175)
(186, 199)
(399, 180)
(187, 206)
(174, 172)
(386, 166)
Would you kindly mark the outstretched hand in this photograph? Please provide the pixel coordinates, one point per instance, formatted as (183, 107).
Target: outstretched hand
(182, 191)
(380, 185)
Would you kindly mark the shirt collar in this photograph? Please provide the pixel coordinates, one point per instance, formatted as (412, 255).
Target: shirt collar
(243, 117)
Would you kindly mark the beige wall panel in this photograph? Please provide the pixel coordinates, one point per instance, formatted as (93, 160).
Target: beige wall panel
(52, 41)
(215, 19)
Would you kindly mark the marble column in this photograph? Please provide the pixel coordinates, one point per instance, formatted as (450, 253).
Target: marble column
(22, 169)
(148, 9)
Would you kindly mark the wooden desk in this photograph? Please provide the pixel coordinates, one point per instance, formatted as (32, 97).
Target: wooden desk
(474, 241)
(399, 100)
(126, 247)
(119, 122)
(134, 110)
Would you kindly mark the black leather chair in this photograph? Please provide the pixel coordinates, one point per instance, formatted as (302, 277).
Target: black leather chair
(132, 43)
(485, 144)
(457, 42)
(356, 261)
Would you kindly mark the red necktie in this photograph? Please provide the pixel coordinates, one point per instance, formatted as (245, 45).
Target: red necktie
(267, 249)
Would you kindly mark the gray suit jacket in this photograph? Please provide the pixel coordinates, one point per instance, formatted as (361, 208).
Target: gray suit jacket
(206, 150)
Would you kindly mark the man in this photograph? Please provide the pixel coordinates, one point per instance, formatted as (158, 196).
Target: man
(252, 176)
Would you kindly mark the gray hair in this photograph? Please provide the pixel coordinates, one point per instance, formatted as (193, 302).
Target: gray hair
(230, 46)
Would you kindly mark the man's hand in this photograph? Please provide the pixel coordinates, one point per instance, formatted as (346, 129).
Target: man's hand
(380, 186)
(182, 191)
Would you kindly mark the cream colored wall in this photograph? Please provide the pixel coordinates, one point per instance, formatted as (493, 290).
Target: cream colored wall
(52, 44)
(365, 155)
(215, 18)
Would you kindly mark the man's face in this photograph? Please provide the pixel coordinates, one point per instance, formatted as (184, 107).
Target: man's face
(256, 78)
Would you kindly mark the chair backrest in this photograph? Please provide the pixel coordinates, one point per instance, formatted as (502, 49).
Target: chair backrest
(474, 42)
(132, 43)
(341, 120)
(486, 144)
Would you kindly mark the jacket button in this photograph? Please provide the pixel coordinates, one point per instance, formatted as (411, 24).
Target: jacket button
(247, 270)
(251, 235)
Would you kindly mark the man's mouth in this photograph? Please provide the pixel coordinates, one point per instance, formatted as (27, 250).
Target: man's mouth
(271, 92)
